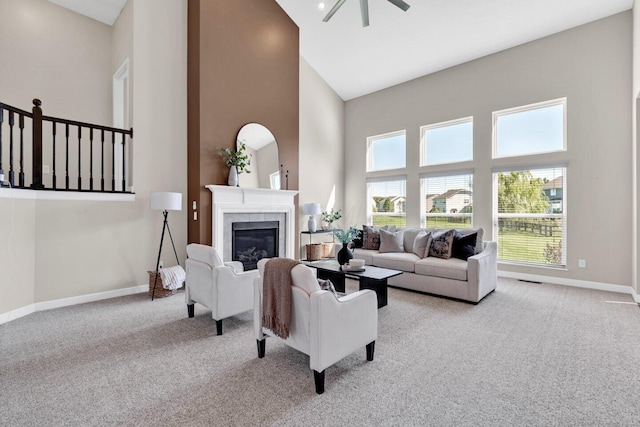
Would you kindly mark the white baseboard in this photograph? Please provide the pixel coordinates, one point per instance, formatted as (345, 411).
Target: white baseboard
(572, 282)
(64, 302)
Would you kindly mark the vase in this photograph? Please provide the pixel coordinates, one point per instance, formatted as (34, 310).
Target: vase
(344, 254)
(233, 177)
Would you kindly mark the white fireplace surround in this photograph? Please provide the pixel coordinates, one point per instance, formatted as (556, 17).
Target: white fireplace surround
(255, 204)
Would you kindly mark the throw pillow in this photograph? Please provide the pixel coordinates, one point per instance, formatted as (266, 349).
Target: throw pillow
(326, 285)
(442, 244)
(421, 244)
(371, 236)
(391, 241)
(358, 241)
(464, 246)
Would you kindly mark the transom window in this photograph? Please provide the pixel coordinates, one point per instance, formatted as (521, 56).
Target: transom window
(388, 151)
(531, 129)
(447, 200)
(447, 142)
(530, 216)
(386, 201)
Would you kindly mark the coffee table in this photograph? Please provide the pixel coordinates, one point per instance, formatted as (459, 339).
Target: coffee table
(374, 278)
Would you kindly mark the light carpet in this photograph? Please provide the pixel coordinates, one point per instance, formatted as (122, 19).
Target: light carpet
(528, 354)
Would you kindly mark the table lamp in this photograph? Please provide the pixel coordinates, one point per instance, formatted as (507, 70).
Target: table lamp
(312, 209)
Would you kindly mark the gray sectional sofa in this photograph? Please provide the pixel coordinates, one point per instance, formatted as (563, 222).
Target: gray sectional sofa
(468, 280)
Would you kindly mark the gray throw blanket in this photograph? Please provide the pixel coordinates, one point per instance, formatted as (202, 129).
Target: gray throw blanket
(276, 295)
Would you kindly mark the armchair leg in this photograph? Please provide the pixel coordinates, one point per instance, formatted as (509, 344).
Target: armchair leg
(219, 327)
(190, 312)
(319, 379)
(370, 348)
(261, 347)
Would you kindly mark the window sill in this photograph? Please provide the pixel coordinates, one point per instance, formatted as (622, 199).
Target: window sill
(520, 264)
(90, 196)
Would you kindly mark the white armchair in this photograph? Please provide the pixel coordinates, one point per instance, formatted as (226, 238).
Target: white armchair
(224, 288)
(325, 328)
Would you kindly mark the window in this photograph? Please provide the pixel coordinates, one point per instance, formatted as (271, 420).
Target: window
(386, 201)
(387, 151)
(530, 216)
(447, 200)
(447, 142)
(532, 129)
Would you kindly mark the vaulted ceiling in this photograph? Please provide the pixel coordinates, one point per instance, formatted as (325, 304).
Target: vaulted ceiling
(399, 46)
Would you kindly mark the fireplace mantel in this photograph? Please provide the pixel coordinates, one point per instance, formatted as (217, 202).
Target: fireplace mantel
(237, 200)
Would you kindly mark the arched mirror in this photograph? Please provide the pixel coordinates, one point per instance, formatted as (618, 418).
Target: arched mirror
(265, 162)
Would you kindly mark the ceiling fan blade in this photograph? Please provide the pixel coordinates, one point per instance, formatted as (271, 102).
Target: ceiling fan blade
(364, 11)
(333, 10)
(401, 4)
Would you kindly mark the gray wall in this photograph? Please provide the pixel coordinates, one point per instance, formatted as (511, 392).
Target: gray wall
(62, 249)
(591, 66)
(322, 159)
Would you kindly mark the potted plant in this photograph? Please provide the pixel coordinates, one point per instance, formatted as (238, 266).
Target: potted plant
(329, 217)
(345, 237)
(237, 160)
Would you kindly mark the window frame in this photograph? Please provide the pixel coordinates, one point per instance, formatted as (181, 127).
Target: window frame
(369, 211)
(563, 216)
(423, 145)
(423, 193)
(369, 152)
(523, 108)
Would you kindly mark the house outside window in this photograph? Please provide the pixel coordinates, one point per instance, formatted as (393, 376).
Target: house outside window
(530, 223)
(447, 200)
(386, 201)
(387, 151)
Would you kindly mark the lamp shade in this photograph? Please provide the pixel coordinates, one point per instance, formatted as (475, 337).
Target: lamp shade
(312, 209)
(164, 201)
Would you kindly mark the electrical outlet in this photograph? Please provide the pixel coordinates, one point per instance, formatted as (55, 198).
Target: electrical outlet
(582, 263)
(45, 168)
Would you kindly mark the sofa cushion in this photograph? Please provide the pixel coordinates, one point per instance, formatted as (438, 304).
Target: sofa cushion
(464, 246)
(396, 261)
(409, 238)
(391, 241)
(421, 244)
(365, 254)
(441, 244)
(371, 236)
(479, 239)
(452, 268)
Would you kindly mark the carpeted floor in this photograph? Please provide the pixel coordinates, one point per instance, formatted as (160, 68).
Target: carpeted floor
(529, 354)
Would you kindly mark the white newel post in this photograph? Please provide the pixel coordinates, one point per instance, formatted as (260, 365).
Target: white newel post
(238, 200)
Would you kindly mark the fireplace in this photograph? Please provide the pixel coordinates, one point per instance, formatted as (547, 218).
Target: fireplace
(253, 240)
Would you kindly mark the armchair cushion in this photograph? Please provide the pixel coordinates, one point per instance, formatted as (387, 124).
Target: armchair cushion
(204, 253)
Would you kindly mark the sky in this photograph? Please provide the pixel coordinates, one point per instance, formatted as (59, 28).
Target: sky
(526, 132)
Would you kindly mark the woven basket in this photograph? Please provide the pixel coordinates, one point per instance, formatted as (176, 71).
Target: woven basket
(327, 249)
(161, 292)
(314, 251)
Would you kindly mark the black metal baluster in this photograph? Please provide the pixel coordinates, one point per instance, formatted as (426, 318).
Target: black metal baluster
(66, 178)
(54, 124)
(11, 123)
(79, 158)
(21, 173)
(91, 159)
(124, 173)
(102, 163)
(113, 161)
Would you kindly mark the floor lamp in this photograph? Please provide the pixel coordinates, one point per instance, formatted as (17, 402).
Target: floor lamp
(165, 202)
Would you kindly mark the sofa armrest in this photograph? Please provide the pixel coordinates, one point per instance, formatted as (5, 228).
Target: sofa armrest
(483, 271)
(341, 326)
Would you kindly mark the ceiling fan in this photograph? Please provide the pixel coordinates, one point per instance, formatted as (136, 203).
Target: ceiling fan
(364, 9)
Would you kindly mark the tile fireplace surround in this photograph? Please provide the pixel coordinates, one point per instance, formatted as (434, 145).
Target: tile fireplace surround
(237, 204)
